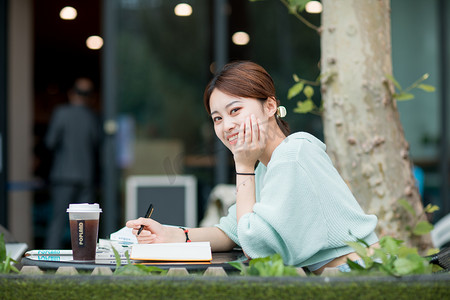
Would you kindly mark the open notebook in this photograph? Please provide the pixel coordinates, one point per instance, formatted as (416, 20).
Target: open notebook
(195, 251)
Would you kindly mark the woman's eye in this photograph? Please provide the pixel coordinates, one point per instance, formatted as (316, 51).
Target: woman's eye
(216, 119)
(234, 110)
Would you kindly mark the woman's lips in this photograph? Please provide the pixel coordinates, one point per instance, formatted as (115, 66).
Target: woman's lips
(232, 139)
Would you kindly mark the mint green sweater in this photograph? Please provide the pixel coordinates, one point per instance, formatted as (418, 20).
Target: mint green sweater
(304, 211)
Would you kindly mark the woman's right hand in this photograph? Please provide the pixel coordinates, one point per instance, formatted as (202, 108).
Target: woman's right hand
(153, 231)
(250, 145)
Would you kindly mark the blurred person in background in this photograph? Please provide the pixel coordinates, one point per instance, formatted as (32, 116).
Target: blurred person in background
(73, 138)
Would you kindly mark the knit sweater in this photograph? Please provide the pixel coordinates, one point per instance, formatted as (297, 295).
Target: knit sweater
(304, 211)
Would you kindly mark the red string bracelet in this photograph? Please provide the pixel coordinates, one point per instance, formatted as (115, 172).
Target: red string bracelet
(186, 233)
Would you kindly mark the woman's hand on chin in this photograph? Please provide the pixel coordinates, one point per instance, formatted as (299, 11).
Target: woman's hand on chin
(250, 145)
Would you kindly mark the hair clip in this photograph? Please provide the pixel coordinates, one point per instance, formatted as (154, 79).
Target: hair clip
(281, 111)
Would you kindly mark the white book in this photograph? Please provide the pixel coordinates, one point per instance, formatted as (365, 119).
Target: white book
(194, 251)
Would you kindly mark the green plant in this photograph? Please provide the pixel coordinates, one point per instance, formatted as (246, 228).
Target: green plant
(420, 227)
(404, 94)
(305, 86)
(391, 258)
(134, 269)
(296, 7)
(266, 266)
(6, 260)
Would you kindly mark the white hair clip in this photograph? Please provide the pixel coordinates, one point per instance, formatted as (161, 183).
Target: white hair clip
(281, 111)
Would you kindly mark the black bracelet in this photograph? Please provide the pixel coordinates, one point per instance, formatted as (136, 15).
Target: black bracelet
(186, 233)
(252, 174)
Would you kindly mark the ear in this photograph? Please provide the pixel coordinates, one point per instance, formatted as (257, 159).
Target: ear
(270, 106)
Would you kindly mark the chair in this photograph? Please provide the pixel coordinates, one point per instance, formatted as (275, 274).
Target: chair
(220, 199)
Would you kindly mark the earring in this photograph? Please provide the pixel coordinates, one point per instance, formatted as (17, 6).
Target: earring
(281, 111)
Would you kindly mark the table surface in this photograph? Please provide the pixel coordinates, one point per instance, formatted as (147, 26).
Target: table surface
(220, 259)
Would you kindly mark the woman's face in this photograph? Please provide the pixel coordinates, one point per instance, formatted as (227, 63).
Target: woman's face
(229, 112)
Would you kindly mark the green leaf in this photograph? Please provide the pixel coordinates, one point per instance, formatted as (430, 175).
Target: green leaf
(277, 268)
(406, 205)
(430, 208)
(138, 270)
(412, 264)
(405, 251)
(426, 87)
(290, 271)
(14, 269)
(308, 91)
(237, 265)
(361, 241)
(359, 249)
(404, 266)
(134, 270)
(304, 107)
(295, 90)
(432, 251)
(381, 255)
(395, 82)
(390, 245)
(423, 227)
(2, 248)
(299, 4)
(267, 266)
(354, 266)
(148, 269)
(388, 269)
(403, 96)
(128, 257)
(117, 258)
(7, 264)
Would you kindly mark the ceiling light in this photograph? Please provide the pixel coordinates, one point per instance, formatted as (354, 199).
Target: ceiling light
(183, 10)
(313, 7)
(94, 42)
(240, 38)
(68, 13)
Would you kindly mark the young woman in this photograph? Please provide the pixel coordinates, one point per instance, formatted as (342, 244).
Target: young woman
(294, 203)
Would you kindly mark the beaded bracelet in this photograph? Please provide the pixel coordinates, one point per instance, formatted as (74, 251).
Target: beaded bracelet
(186, 233)
(252, 174)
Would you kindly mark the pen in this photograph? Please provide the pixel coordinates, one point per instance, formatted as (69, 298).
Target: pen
(147, 215)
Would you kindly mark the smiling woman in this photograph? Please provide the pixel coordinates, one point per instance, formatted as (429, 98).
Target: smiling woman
(293, 203)
(244, 80)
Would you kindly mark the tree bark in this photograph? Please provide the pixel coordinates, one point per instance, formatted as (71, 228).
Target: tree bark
(362, 128)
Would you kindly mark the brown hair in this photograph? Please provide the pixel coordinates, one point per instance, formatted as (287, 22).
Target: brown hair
(247, 80)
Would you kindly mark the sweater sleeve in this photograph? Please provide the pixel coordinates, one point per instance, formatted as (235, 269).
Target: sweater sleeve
(287, 219)
(304, 211)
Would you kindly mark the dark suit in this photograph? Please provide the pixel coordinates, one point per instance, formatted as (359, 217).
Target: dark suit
(73, 137)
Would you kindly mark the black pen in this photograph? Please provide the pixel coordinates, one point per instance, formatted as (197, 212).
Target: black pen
(147, 215)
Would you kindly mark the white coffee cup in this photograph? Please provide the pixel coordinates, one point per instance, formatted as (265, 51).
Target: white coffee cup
(84, 219)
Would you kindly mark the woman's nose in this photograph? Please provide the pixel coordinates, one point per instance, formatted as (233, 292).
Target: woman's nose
(229, 124)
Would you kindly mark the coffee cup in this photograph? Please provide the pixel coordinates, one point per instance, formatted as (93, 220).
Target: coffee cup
(84, 219)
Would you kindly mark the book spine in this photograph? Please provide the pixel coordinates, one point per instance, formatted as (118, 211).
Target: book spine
(51, 257)
(109, 255)
(122, 239)
(49, 252)
(68, 258)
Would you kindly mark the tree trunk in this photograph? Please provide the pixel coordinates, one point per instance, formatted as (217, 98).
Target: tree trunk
(363, 133)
